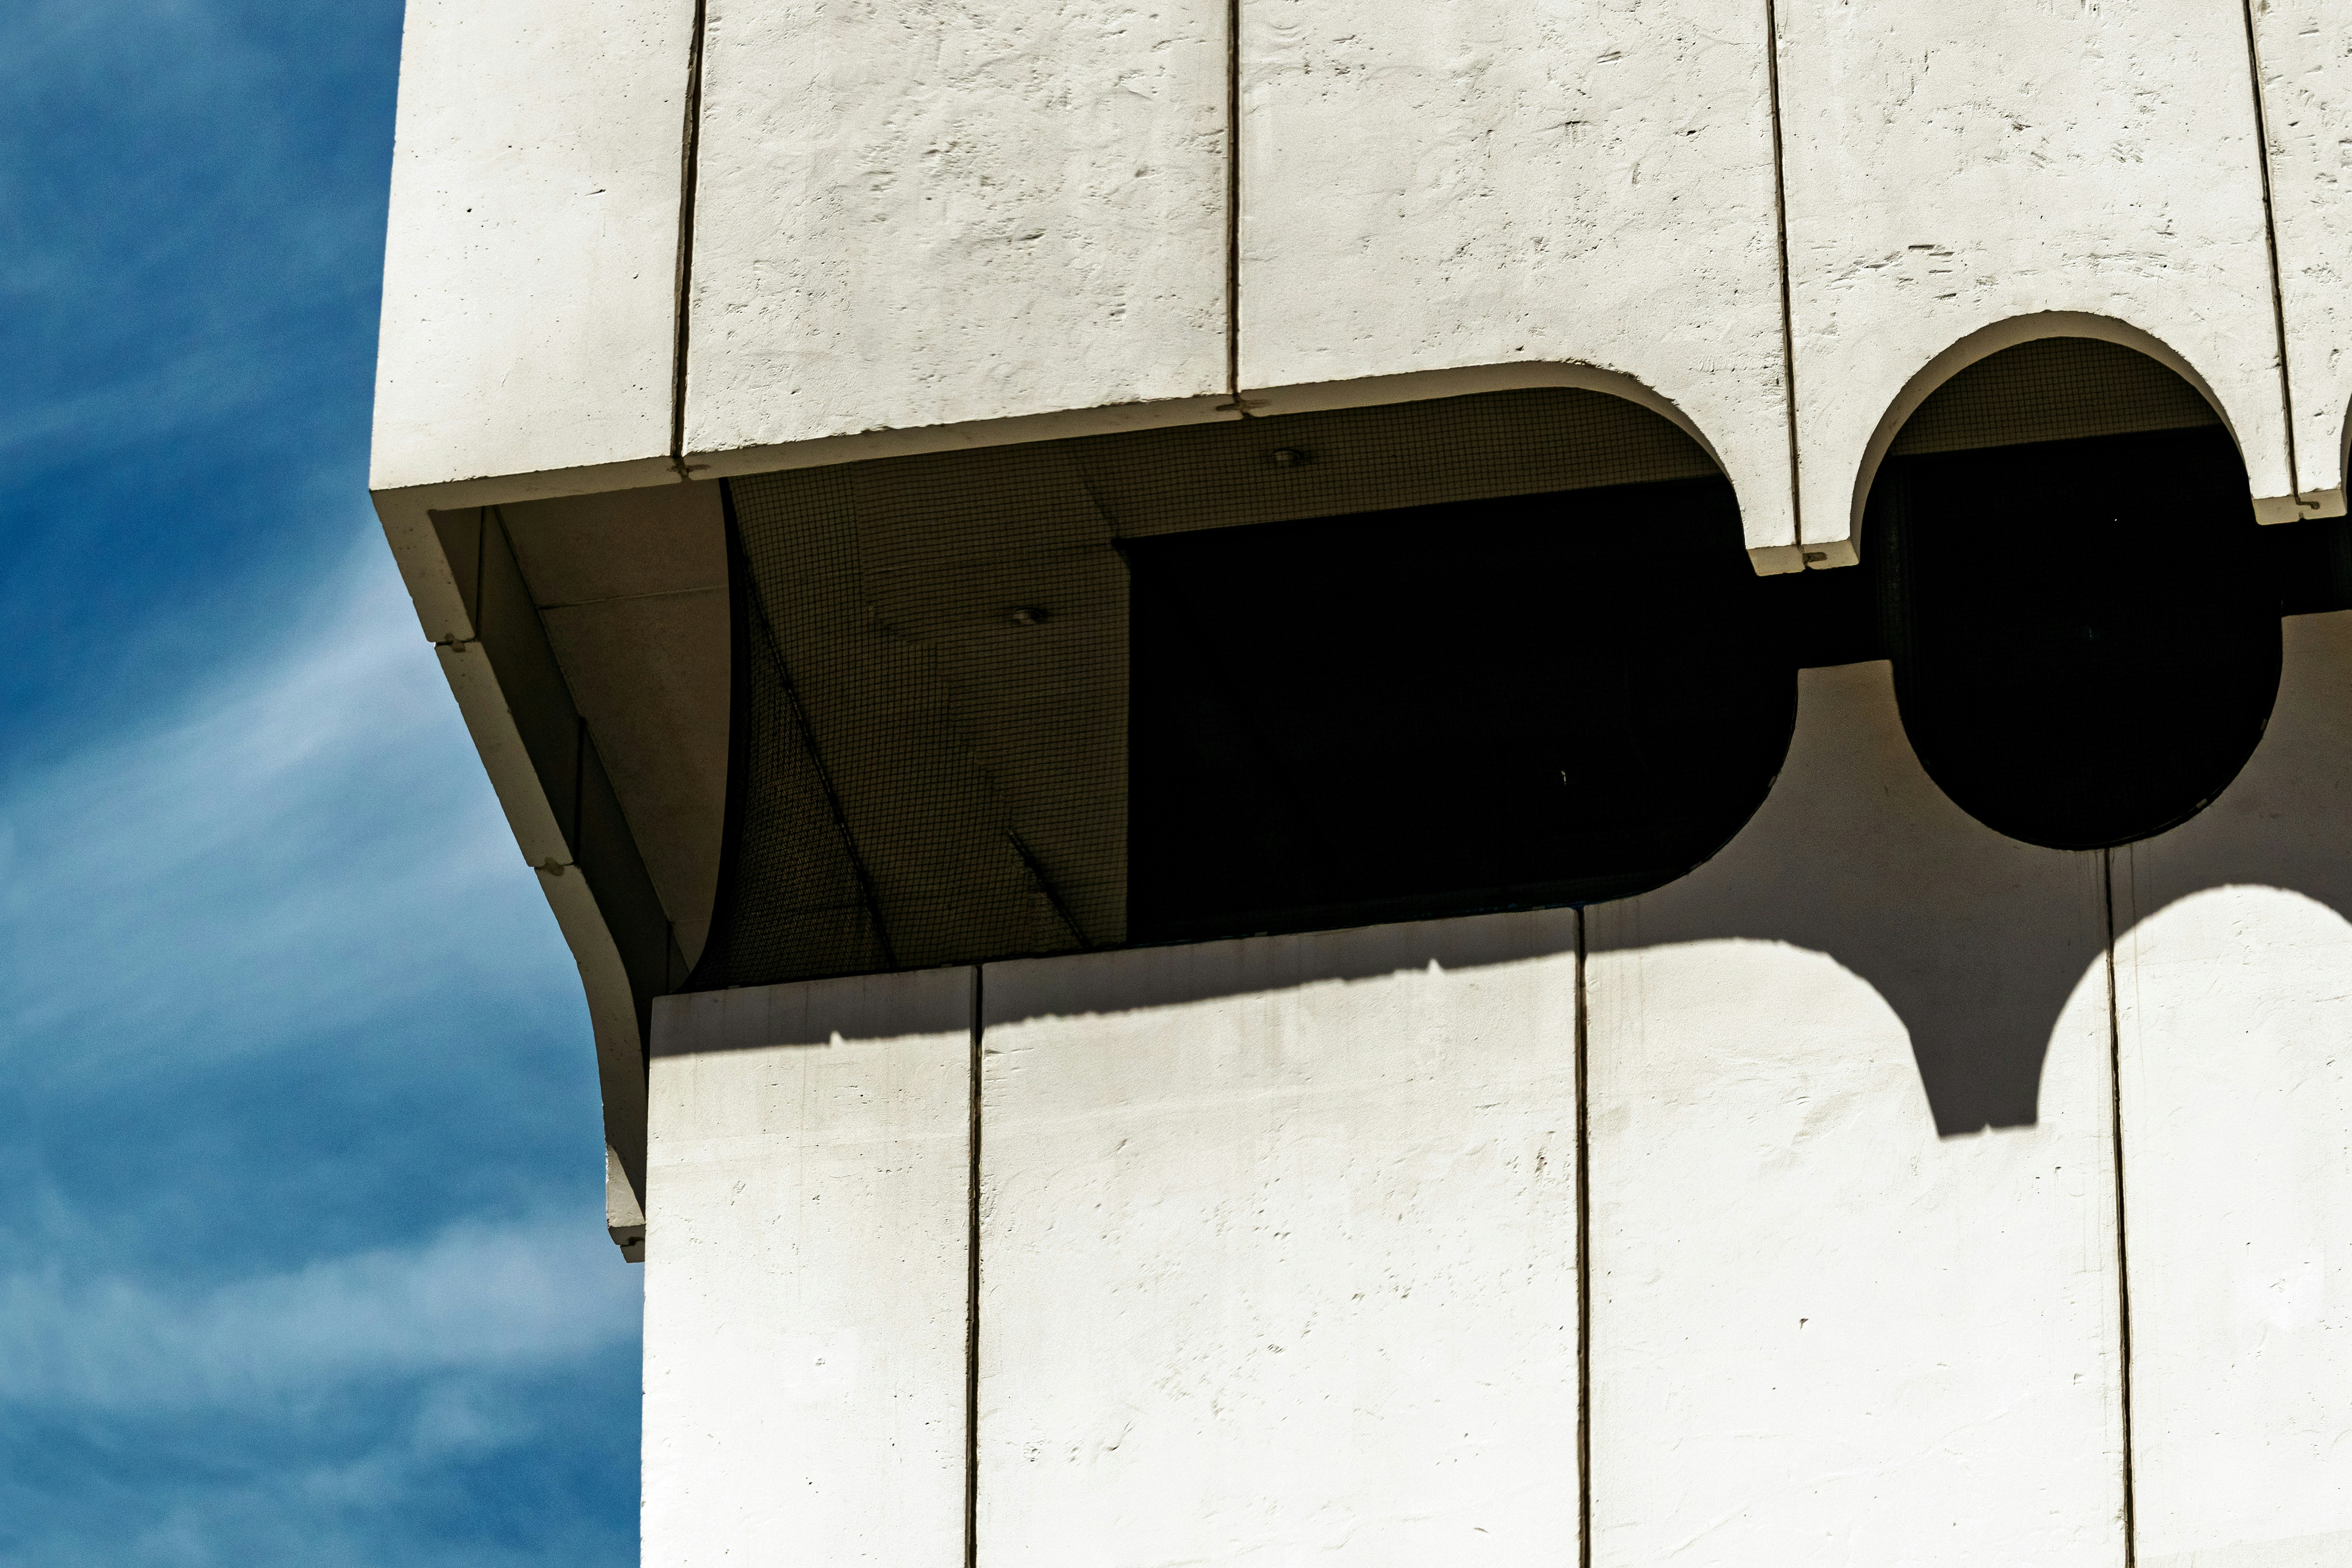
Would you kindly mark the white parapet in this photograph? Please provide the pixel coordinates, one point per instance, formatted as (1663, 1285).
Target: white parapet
(1278, 1251)
(1487, 183)
(807, 1214)
(532, 256)
(1952, 167)
(1855, 1288)
(2234, 997)
(920, 218)
(2307, 56)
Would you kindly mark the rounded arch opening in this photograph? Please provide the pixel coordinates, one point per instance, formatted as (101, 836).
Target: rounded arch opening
(1345, 666)
(2074, 592)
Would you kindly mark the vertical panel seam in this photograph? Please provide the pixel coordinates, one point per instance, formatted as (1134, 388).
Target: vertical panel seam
(1238, 405)
(1781, 235)
(1583, 1269)
(2270, 236)
(689, 158)
(972, 1296)
(2123, 1247)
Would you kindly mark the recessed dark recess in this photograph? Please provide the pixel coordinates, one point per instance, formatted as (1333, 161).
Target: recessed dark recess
(1540, 700)
(2085, 633)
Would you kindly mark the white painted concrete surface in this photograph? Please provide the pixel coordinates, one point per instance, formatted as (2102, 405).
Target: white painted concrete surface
(1427, 188)
(1278, 1251)
(1952, 166)
(808, 1210)
(531, 260)
(1820, 1332)
(2234, 1000)
(927, 214)
(2306, 55)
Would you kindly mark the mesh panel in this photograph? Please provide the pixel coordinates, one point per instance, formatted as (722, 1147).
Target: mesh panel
(2052, 389)
(932, 733)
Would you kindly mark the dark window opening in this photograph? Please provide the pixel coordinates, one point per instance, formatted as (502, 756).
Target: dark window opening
(1487, 704)
(2084, 632)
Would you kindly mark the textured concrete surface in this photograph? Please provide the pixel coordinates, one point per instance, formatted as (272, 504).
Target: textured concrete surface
(530, 267)
(2234, 986)
(1431, 187)
(808, 1206)
(2306, 55)
(1821, 1332)
(1950, 167)
(936, 213)
(1278, 1251)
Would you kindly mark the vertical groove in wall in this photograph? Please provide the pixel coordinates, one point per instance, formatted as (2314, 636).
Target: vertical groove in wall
(1234, 206)
(1583, 1273)
(972, 1301)
(690, 155)
(2270, 235)
(1780, 236)
(2122, 1246)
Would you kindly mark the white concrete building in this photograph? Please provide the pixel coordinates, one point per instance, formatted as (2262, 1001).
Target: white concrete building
(1560, 783)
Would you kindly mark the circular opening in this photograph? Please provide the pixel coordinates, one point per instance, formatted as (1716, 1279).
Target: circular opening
(2086, 645)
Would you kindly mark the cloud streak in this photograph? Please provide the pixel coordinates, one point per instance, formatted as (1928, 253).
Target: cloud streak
(478, 1297)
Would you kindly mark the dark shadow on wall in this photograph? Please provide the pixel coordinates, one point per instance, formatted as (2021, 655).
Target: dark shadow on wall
(1975, 940)
(2286, 821)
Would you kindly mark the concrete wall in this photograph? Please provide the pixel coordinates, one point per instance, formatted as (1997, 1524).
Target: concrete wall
(1279, 1250)
(2234, 988)
(1278, 1240)
(1855, 1273)
(809, 1180)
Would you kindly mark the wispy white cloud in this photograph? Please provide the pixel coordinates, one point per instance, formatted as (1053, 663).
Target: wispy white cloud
(307, 840)
(476, 1298)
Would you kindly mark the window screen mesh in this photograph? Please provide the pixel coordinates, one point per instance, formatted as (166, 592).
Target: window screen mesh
(2052, 389)
(930, 732)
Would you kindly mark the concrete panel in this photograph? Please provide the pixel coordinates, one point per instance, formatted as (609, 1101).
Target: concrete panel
(1823, 1330)
(931, 214)
(1278, 1251)
(531, 266)
(2306, 55)
(1428, 187)
(807, 1268)
(1950, 168)
(2234, 1001)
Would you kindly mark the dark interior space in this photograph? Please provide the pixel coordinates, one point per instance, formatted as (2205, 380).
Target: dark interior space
(2085, 633)
(1483, 705)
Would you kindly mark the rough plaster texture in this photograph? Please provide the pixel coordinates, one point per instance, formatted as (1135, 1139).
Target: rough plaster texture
(807, 1274)
(1821, 1332)
(1278, 1251)
(2234, 1001)
(941, 212)
(1433, 187)
(530, 268)
(2306, 55)
(1950, 167)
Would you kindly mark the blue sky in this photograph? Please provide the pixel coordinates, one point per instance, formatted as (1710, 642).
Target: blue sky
(300, 1250)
